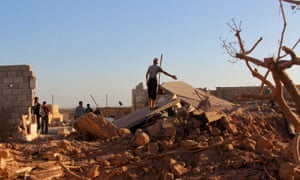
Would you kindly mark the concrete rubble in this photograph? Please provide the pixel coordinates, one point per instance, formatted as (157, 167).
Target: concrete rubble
(178, 140)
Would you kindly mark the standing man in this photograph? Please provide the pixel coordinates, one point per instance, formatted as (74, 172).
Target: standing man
(45, 118)
(79, 110)
(151, 79)
(36, 110)
(88, 108)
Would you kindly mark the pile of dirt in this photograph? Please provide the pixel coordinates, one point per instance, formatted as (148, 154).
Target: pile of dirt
(248, 142)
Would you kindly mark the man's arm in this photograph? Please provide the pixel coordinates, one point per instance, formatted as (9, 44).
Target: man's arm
(170, 75)
(147, 75)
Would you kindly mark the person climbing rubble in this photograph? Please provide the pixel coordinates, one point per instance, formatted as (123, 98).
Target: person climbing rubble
(151, 81)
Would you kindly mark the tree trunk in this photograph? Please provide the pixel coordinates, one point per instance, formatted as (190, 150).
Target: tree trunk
(291, 88)
(279, 98)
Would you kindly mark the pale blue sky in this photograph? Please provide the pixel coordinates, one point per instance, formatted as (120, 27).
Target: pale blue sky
(104, 47)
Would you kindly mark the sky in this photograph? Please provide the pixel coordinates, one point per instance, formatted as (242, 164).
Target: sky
(79, 48)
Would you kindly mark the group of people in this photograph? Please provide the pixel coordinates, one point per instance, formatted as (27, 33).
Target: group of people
(80, 110)
(41, 115)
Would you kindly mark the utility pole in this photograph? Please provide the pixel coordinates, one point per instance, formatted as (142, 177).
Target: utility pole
(106, 103)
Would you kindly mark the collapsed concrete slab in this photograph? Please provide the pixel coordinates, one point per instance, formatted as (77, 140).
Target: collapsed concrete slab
(95, 126)
(196, 97)
(140, 115)
(175, 94)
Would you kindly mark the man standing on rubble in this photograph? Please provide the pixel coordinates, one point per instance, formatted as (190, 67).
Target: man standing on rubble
(151, 79)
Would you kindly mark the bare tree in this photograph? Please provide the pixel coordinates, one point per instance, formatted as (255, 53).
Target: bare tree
(276, 67)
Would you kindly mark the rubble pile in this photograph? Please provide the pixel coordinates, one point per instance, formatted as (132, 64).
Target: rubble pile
(245, 142)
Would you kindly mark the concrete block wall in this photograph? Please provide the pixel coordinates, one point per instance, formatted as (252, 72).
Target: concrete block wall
(17, 84)
(230, 93)
(139, 97)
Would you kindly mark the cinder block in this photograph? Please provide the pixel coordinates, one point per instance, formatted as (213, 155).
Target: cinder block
(18, 80)
(12, 74)
(6, 92)
(8, 80)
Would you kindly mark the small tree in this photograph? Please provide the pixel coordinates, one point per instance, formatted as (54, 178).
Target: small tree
(276, 66)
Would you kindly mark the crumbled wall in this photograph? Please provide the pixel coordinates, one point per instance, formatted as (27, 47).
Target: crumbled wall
(17, 84)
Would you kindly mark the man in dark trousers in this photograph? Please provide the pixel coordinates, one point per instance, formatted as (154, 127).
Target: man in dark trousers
(36, 110)
(45, 118)
(151, 78)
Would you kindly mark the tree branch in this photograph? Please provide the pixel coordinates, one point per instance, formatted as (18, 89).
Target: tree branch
(283, 29)
(254, 46)
(252, 60)
(292, 2)
(284, 64)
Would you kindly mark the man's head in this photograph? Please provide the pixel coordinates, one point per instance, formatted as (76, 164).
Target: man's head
(155, 60)
(80, 103)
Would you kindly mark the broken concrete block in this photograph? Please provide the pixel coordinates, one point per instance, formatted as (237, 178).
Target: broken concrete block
(263, 144)
(287, 171)
(168, 176)
(124, 132)
(65, 144)
(166, 144)
(214, 131)
(154, 130)
(228, 147)
(153, 147)
(122, 159)
(140, 151)
(170, 131)
(213, 116)
(189, 143)
(63, 132)
(249, 144)
(2, 164)
(4, 153)
(142, 139)
(96, 126)
(93, 172)
(177, 168)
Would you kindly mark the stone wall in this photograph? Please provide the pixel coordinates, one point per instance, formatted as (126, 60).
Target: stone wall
(17, 84)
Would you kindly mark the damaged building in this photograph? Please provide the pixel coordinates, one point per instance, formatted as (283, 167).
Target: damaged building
(18, 83)
(17, 91)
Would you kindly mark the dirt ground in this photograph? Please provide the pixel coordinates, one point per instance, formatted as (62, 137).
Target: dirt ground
(250, 142)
